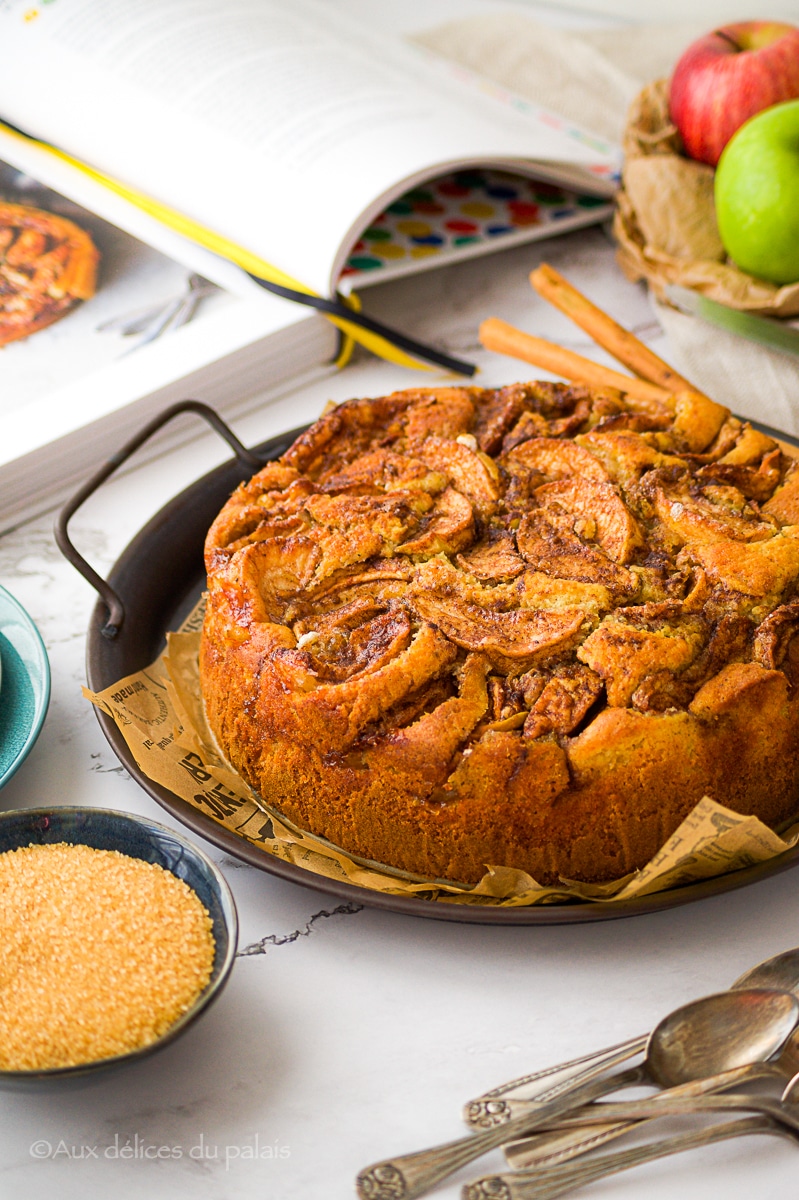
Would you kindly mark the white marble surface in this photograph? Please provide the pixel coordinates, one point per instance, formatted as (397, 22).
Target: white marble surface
(347, 1034)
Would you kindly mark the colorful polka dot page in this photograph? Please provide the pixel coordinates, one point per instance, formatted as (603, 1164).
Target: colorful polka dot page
(463, 215)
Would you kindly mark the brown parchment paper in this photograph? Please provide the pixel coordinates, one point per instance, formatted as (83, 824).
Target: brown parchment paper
(160, 714)
(665, 222)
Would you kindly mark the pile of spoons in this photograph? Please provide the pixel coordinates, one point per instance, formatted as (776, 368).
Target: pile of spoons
(695, 1056)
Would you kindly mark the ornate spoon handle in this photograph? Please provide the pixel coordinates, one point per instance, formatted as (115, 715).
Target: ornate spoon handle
(548, 1083)
(513, 1110)
(580, 1134)
(411, 1175)
(546, 1185)
(558, 1146)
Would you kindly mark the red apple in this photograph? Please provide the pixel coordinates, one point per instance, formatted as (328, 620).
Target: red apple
(727, 77)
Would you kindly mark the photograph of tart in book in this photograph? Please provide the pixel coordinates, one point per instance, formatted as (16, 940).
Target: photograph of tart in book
(48, 265)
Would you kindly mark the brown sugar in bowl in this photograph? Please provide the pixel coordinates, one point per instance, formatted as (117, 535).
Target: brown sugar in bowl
(117, 935)
(527, 627)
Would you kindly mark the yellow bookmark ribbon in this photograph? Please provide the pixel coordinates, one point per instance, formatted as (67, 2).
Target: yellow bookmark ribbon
(225, 248)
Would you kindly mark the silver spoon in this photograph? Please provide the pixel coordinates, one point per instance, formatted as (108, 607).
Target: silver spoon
(547, 1183)
(594, 1125)
(780, 972)
(691, 1086)
(711, 1035)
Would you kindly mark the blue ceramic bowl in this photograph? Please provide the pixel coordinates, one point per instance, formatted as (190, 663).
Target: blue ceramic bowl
(24, 685)
(138, 837)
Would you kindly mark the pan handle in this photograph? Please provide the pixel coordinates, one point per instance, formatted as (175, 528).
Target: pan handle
(116, 609)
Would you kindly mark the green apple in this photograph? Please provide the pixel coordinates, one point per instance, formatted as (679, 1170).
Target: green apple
(757, 195)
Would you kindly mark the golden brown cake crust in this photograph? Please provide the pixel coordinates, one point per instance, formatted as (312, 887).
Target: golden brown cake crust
(527, 627)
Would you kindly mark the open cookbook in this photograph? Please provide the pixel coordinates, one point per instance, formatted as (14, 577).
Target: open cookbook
(263, 149)
(154, 318)
(281, 136)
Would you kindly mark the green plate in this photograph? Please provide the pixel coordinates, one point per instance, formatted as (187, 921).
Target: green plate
(24, 685)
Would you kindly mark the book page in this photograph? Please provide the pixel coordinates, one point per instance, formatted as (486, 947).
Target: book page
(282, 128)
(34, 160)
(147, 323)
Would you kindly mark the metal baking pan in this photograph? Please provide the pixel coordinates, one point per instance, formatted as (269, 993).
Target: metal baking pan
(155, 584)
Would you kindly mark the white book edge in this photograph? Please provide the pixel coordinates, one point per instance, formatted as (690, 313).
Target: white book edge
(245, 378)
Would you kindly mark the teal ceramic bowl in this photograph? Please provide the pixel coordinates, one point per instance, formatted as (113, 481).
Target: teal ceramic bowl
(24, 685)
(138, 837)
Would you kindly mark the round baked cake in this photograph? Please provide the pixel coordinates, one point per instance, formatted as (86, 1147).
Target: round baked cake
(530, 626)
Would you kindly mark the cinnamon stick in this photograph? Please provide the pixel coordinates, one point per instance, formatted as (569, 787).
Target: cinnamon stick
(606, 332)
(506, 339)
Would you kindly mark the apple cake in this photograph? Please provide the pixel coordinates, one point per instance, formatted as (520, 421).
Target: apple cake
(530, 627)
(48, 264)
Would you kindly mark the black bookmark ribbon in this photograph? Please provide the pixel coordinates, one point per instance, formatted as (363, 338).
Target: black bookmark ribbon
(337, 308)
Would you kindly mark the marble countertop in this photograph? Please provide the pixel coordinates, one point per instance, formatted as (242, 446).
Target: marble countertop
(348, 1034)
